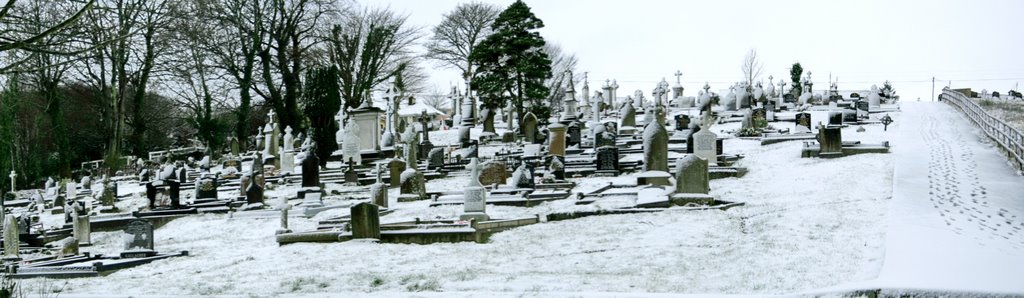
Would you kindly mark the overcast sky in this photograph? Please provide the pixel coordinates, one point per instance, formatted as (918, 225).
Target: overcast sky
(975, 43)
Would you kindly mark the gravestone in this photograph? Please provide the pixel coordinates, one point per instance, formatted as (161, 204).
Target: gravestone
(557, 140)
(863, 109)
(522, 177)
(694, 128)
(435, 159)
(11, 242)
(759, 118)
(608, 159)
(81, 228)
(682, 122)
(138, 239)
(395, 168)
(803, 123)
(287, 162)
(789, 97)
(350, 146)
(692, 175)
(493, 172)
(628, 114)
(311, 170)
(379, 194)
(365, 221)
(529, 128)
(475, 195)
(557, 167)
(206, 188)
(574, 135)
(705, 145)
(831, 140)
(655, 148)
(835, 118)
(254, 194)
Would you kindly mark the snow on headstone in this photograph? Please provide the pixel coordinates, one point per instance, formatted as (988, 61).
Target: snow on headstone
(350, 148)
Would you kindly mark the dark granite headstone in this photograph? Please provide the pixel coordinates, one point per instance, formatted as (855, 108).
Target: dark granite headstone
(350, 175)
(694, 128)
(254, 194)
(788, 97)
(835, 118)
(365, 221)
(804, 119)
(831, 140)
(682, 122)
(863, 108)
(311, 170)
(151, 192)
(207, 188)
(573, 135)
(608, 158)
(182, 175)
(139, 240)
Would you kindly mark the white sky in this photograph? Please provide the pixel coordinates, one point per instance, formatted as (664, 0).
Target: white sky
(975, 44)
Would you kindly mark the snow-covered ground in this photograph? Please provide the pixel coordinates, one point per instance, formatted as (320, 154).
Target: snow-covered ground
(809, 226)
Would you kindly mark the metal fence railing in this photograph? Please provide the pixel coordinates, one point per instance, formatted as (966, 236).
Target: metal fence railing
(1009, 138)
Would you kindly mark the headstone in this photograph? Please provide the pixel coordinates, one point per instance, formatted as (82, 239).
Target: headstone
(206, 188)
(863, 109)
(574, 135)
(831, 140)
(522, 177)
(692, 175)
(803, 123)
(81, 228)
(475, 195)
(835, 118)
(694, 128)
(11, 242)
(350, 147)
(529, 128)
(395, 168)
(493, 172)
(411, 183)
(608, 159)
(311, 170)
(682, 122)
(557, 167)
(557, 139)
(284, 207)
(138, 239)
(874, 100)
(655, 148)
(435, 159)
(759, 118)
(287, 161)
(628, 114)
(254, 194)
(705, 145)
(379, 194)
(365, 221)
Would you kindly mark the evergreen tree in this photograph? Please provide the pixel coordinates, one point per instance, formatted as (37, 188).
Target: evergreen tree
(794, 74)
(322, 100)
(511, 63)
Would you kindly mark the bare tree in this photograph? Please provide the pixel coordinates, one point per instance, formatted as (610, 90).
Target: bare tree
(293, 29)
(370, 47)
(28, 41)
(459, 31)
(752, 67)
(437, 99)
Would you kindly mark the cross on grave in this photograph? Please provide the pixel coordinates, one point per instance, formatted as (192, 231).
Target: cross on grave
(886, 120)
(424, 120)
(270, 116)
(13, 174)
(678, 74)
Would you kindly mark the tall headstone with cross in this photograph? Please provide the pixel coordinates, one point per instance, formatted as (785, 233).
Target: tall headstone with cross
(425, 145)
(569, 104)
(677, 89)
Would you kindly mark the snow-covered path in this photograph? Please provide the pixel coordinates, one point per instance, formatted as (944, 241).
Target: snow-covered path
(956, 221)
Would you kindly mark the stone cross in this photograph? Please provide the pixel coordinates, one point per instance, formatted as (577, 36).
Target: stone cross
(13, 174)
(678, 74)
(289, 143)
(284, 206)
(270, 116)
(424, 120)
